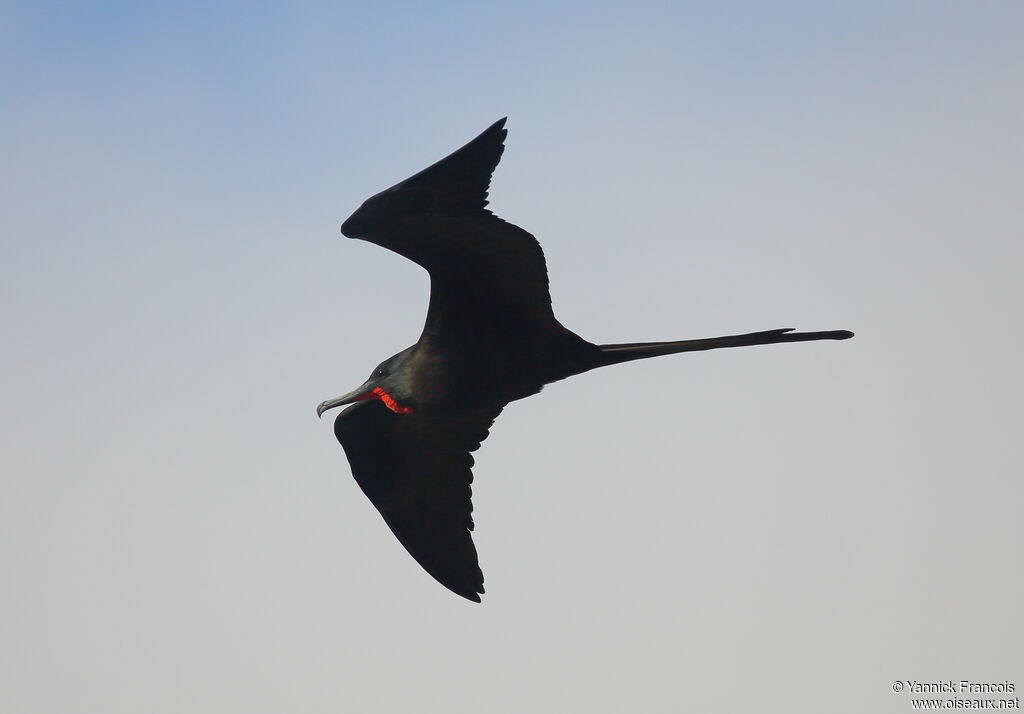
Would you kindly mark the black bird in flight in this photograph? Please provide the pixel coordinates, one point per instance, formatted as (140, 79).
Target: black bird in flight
(490, 338)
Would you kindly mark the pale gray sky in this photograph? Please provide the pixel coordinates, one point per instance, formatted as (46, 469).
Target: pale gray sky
(782, 528)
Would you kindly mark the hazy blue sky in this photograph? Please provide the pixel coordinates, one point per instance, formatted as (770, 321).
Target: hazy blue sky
(782, 528)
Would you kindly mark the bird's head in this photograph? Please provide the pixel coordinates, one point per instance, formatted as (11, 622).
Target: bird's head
(389, 383)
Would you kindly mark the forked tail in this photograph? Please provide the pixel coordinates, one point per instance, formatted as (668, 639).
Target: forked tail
(613, 354)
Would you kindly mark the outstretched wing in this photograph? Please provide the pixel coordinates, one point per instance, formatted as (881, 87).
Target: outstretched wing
(417, 471)
(483, 271)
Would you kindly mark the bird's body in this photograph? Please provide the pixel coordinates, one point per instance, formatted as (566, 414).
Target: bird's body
(490, 337)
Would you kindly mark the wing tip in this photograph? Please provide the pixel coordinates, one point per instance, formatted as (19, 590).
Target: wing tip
(461, 180)
(473, 592)
(498, 126)
(471, 587)
(464, 582)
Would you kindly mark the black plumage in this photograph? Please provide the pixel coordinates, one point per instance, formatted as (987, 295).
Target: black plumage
(490, 337)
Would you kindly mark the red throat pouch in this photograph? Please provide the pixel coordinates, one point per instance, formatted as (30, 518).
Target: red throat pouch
(389, 401)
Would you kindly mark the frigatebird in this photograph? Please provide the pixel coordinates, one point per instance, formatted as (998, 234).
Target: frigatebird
(490, 338)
